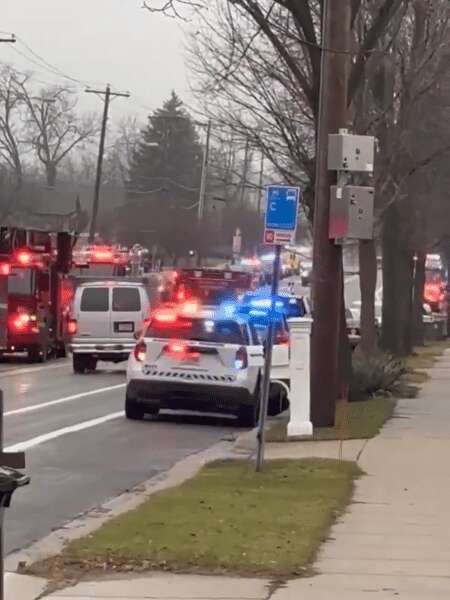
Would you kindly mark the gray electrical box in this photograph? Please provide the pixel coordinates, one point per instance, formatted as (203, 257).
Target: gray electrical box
(351, 213)
(348, 152)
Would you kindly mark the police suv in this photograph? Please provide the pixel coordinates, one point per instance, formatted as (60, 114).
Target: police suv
(190, 359)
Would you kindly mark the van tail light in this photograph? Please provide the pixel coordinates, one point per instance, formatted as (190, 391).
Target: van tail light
(72, 326)
(241, 360)
(140, 351)
(282, 337)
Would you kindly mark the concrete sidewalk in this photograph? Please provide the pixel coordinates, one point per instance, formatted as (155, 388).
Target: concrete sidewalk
(394, 540)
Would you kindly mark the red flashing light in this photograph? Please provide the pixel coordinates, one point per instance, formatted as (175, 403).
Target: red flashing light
(106, 255)
(24, 257)
(140, 351)
(20, 321)
(5, 269)
(165, 316)
(181, 295)
(190, 307)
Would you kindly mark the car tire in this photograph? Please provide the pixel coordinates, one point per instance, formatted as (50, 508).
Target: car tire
(92, 364)
(38, 354)
(275, 400)
(133, 411)
(61, 351)
(248, 415)
(80, 363)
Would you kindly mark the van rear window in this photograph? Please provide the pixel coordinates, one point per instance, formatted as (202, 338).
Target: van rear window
(95, 300)
(126, 300)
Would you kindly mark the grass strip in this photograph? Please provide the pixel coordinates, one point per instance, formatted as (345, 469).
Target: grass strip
(228, 519)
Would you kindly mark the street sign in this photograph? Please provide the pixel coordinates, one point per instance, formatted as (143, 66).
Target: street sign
(281, 214)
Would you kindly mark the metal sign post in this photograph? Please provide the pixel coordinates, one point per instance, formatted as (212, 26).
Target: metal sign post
(280, 228)
(267, 363)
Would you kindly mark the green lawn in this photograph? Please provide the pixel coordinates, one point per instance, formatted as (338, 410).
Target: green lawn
(363, 420)
(227, 519)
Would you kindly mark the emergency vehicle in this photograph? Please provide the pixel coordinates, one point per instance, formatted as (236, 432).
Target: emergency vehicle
(435, 284)
(99, 260)
(210, 286)
(39, 291)
(195, 360)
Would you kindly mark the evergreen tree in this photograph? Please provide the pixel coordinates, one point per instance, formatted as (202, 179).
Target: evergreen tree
(164, 178)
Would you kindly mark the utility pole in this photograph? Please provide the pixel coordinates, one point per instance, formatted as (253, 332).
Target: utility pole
(108, 94)
(327, 256)
(204, 176)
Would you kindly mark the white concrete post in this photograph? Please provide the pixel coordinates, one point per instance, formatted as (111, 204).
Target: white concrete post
(300, 395)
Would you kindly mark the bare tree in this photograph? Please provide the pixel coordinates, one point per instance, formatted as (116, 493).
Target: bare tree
(11, 130)
(55, 128)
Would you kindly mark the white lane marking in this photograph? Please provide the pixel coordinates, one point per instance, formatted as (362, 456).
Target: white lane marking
(52, 435)
(20, 371)
(33, 407)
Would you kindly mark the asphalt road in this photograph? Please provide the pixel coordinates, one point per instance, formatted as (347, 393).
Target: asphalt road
(80, 449)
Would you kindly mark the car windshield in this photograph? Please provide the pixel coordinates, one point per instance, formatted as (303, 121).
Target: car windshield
(201, 330)
(20, 281)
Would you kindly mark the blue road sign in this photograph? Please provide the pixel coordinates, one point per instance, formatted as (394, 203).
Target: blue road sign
(282, 207)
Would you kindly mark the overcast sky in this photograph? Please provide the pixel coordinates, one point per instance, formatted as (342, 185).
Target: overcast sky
(99, 41)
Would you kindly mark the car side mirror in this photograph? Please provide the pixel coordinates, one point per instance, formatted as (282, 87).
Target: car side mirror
(137, 334)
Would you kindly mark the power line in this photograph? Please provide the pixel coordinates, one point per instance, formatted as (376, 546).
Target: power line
(56, 70)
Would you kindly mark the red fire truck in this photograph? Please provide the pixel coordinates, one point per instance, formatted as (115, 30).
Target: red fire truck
(39, 291)
(210, 286)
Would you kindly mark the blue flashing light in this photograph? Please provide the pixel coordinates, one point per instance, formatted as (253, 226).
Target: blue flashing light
(265, 303)
(255, 312)
(227, 309)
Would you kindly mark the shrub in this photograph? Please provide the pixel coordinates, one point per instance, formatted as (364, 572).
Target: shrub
(376, 374)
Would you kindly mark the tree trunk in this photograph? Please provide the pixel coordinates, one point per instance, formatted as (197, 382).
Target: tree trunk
(50, 169)
(368, 271)
(419, 284)
(397, 285)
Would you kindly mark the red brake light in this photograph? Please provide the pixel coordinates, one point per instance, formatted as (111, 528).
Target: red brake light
(181, 295)
(177, 348)
(5, 268)
(140, 351)
(72, 326)
(241, 360)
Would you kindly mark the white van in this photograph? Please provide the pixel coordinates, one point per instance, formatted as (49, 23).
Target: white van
(105, 317)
